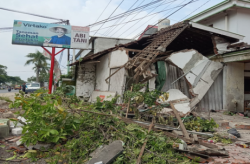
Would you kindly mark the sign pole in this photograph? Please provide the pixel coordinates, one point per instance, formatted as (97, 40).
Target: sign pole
(53, 54)
(51, 69)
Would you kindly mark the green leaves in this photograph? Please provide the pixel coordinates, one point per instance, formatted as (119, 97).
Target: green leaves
(53, 131)
(201, 125)
(47, 119)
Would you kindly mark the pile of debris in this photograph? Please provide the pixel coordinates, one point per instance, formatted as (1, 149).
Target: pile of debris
(103, 135)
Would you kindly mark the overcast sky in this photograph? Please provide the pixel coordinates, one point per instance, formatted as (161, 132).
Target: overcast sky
(84, 13)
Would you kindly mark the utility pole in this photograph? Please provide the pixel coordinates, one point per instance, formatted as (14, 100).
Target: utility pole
(67, 23)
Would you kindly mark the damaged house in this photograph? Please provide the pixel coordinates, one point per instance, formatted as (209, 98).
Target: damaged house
(176, 57)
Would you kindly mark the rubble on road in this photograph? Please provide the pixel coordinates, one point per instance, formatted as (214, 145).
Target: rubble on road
(107, 153)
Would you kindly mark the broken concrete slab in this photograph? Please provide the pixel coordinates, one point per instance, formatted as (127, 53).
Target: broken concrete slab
(4, 128)
(5, 122)
(17, 131)
(180, 101)
(4, 131)
(30, 147)
(40, 146)
(19, 142)
(107, 153)
(199, 71)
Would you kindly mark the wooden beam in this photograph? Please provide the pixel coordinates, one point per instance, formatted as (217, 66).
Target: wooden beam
(91, 62)
(184, 131)
(161, 53)
(114, 72)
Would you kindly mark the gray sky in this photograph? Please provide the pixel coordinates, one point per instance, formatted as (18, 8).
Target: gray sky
(83, 13)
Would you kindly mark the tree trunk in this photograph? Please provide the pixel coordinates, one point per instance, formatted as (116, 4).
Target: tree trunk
(37, 75)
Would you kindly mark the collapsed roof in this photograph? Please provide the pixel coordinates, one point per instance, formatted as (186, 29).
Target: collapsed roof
(182, 35)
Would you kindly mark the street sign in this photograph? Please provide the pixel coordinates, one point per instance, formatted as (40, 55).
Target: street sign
(49, 35)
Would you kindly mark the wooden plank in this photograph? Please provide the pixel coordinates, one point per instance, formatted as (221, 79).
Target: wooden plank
(179, 120)
(91, 62)
(114, 73)
(195, 136)
(207, 144)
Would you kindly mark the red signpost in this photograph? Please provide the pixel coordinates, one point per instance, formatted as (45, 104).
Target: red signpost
(53, 54)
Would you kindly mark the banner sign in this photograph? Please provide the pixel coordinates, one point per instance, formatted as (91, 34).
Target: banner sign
(50, 35)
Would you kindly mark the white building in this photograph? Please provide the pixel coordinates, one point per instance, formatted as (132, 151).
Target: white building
(232, 16)
(229, 15)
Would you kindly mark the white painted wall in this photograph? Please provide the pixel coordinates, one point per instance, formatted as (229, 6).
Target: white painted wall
(217, 22)
(243, 24)
(118, 58)
(85, 82)
(102, 72)
(238, 22)
(233, 86)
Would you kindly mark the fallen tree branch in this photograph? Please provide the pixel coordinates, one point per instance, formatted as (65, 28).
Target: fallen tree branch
(129, 121)
(144, 144)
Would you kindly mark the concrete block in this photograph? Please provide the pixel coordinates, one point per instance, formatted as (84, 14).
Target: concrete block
(107, 153)
(8, 115)
(42, 146)
(4, 131)
(30, 147)
(5, 122)
(19, 142)
(17, 131)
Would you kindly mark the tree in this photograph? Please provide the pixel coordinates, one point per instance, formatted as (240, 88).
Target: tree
(3, 70)
(40, 62)
(3, 74)
(4, 78)
(43, 77)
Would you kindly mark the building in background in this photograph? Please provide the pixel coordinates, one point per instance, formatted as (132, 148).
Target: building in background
(232, 16)
(97, 44)
(152, 29)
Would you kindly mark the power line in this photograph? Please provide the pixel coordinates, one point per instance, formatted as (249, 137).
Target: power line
(155, 15)
(131, 18)
(103, 11)
(169, 15)
(125, 13)
(110, 30)
(195, 10)
(141, 19)
(32, 14)
(110, 16)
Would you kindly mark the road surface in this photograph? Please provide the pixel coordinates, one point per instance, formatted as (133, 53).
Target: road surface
(6, 91)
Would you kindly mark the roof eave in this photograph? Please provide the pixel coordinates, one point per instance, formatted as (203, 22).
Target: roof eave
(217, 31)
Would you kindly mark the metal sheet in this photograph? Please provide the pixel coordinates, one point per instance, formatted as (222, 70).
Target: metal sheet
(213, 99)
(172, 74)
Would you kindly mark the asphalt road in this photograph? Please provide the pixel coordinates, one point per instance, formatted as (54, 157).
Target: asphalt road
(6, 91)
